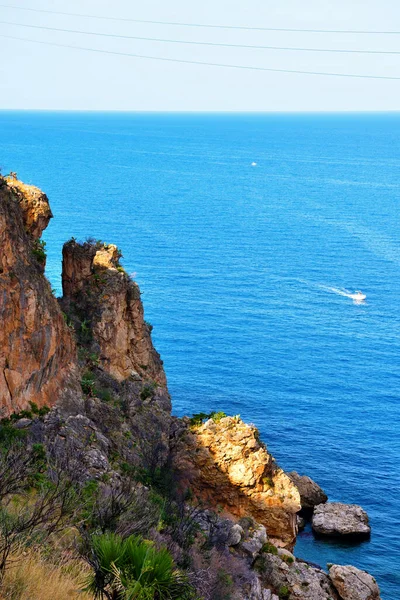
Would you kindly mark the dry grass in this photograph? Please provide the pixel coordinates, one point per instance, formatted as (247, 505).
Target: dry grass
(33, 578)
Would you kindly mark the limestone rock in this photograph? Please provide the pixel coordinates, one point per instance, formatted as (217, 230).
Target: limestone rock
(227, 466)
(35, 207)
(338, 519)
(108, 305)
(254, 541)
(354, 584)
(38, 360)
(257, 592)
(295, 579)
(236, 535)
(310, 492)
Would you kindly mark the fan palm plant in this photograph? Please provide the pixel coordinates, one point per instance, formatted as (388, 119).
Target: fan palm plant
(133, 569)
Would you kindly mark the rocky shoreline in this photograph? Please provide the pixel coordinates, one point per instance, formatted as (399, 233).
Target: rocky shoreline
(89, 360)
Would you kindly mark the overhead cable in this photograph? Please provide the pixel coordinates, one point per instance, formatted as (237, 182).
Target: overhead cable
(197, 43)
(203, 25)
(201, 63)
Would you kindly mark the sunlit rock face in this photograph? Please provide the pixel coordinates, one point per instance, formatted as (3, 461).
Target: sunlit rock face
(37, 350)
(227, 466)
(107, 302)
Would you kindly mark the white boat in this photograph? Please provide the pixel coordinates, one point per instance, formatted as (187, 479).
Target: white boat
(358, 296)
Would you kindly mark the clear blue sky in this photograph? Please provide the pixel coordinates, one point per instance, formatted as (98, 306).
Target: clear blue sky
(34, 76)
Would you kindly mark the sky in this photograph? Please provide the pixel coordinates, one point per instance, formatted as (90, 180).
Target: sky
(46, 76)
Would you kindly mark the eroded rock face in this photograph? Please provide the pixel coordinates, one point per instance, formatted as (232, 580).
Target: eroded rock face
(310, 492)
(35, 207)
(338, 519)
(354, 584)
(225, 465)
(109, 307)
(37, 351)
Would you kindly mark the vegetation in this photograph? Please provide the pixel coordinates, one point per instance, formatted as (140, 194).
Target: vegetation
(35, 499)
(133, 569)
(200, 418)
(148, 390)
(35, 577)
(284, 593)
(88, 384)
(39, 251)
(270, 549)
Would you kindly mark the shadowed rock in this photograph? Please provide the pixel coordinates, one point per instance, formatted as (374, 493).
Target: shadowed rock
(310, 492)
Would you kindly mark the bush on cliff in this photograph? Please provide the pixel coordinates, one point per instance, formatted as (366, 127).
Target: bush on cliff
(199, 418)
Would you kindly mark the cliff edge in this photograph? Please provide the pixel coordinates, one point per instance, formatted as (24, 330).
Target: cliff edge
(38, 360)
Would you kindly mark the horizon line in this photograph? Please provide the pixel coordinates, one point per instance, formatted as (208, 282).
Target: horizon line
(200, 112)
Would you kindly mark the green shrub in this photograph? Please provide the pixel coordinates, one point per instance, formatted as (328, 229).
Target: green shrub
(284, 593)
(148, 390)
(133, 569)
(199, 418)
(88, 384)
(38, 250)
(9, 434)
(270, 549)
(287, 559)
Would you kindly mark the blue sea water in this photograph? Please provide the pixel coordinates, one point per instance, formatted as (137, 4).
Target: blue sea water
(241, 268)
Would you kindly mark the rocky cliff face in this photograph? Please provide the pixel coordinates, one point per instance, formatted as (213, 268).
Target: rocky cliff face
(109, 307)
(227, 466)
(111, 418)
(37, 351)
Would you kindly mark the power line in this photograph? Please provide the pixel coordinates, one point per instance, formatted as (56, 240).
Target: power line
(207, 26)
(202, 63)
(196, 43)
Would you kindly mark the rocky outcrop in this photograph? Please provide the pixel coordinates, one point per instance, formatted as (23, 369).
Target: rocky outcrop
(226, 465)
(37, 350)
(337, 519)
(35, 207)
(107, 304)
(310, 492)
(294, 579)
(354, 584)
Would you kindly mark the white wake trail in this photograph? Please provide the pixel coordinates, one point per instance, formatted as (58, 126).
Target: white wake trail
(355, 296)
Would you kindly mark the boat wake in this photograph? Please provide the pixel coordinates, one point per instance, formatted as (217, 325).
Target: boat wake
(357, 296)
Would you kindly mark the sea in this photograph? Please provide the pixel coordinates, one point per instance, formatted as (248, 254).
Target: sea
(248, 235)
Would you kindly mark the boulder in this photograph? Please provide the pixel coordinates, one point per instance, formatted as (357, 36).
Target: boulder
(354, 584)
(337, 519)
(310, 492)
(254, 541)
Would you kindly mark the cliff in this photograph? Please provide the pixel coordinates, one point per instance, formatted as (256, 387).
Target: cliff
(108, 304)
(38, 360)
(207, 489)
(227, 467)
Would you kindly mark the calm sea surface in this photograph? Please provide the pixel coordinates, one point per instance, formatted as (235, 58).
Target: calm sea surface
(243, 270)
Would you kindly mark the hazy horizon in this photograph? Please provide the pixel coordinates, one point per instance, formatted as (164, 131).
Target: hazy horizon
(208, 57)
